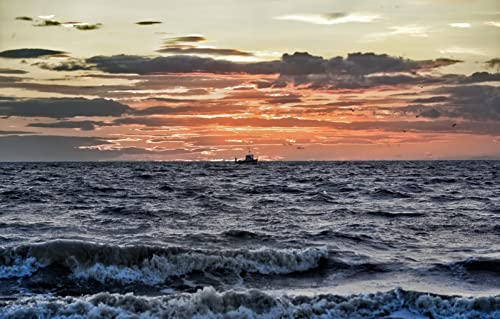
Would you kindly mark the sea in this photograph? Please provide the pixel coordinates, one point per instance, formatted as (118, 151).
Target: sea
(381, 239)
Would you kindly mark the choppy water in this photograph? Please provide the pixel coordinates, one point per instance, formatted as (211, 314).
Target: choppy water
(274, 240)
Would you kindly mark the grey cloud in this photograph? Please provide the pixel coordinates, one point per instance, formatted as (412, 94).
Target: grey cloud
(47, 23)
(71, 148)
(12, 71)
(432, 99)
(50, 148)
(438, 126)
(87, 26)
(62, 107)
(432, 113)
(29, 53)
(24, 18)
(493, 63)
(357, 70)
(178, 64)
(303, 63)
(187, 49)
(298, 67)
(68, 65)
(82, 125)
(187, 38)
(14, 132)
(470, 102)
(481, 77)
(148, 22)
(289, 98)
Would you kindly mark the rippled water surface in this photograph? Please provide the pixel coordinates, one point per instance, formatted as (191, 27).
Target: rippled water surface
(273, 240)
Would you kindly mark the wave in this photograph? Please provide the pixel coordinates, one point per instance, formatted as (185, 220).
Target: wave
(208, 303)
(382, 193)
(149, 264)
(474, 265)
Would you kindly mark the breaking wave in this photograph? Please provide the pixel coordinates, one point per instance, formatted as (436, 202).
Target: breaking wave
(208, 303)
(149, 264)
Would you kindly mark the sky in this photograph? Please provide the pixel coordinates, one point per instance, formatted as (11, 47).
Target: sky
(286, 80)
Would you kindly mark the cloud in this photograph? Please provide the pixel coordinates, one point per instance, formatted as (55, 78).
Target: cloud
(493, 23)
(50, 148)
(187, 49)
(331, 18)
(470, 102)
(83, 26)
(148, 22)
(472, 126)
(12, 71)
(81, 125)
(201, 108)
(24, 18)
(493, 63)
(356, 71)
(68, 65)
(14, 132)
(187, 38)
(411, 30)
(47, 23)
(29, 53)
(481, 77)
(189, 44)
(71, 148)
(462, 25)
(433, 99)
(461, 50)
(62, 107)
(178, 64)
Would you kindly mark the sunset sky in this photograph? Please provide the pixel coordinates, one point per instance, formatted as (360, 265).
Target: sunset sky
(289, 80)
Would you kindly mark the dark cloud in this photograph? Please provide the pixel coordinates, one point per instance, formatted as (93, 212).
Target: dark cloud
(29, 53)
(68, 65)
(148, 22)
(432, 99)
(82, 125)
(334, 15)
(50, 148)
(188, 45)
(187, 38)
(71, 148)
(478, 77)
(12, 71)
(191, 109)
(47, 23)
(303, 63)
(438, 126)
(87, 26)
(469, 102)
(187, 49)
(178, 64)
(432, 113)
(476, 102)
(357, 70)
(493, 63)
(24, 18)
(14, 132)
(62, 107)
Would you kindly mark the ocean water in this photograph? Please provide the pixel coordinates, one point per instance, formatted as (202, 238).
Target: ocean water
(409, 239)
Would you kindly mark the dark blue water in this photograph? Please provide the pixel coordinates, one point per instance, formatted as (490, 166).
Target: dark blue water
(273, 240)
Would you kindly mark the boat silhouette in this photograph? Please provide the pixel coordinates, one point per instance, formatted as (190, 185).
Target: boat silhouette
(249, 159)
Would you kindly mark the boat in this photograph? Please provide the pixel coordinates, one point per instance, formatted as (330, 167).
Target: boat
(249, 159)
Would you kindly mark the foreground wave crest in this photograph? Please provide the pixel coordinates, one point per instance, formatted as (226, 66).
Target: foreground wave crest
(208, 303)
(148, 264)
